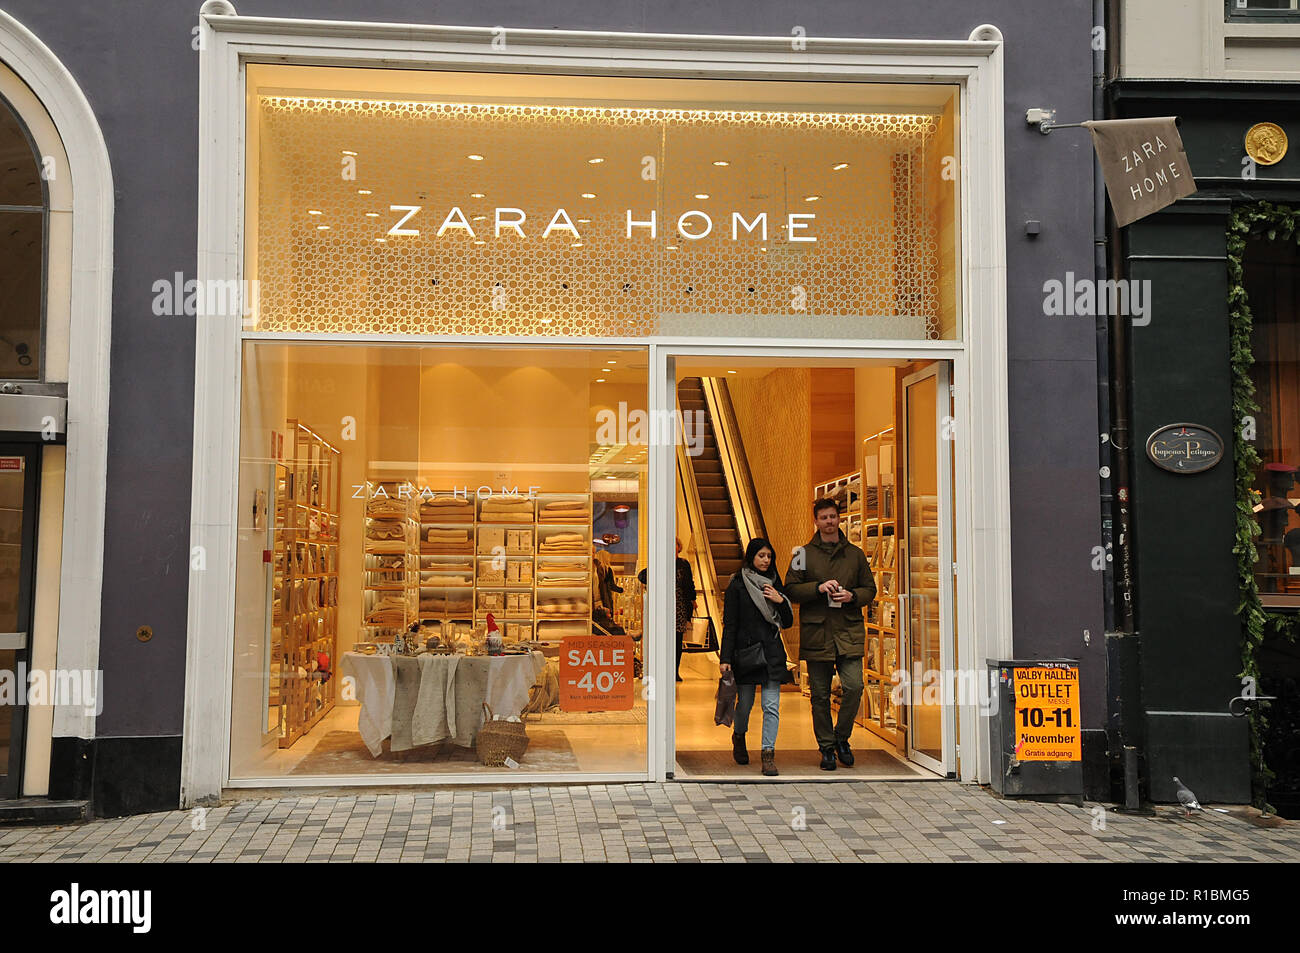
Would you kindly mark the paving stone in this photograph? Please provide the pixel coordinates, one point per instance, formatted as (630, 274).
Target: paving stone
(941, 822)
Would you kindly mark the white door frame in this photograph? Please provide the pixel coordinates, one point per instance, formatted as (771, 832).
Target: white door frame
(948, 521)
(228, 41)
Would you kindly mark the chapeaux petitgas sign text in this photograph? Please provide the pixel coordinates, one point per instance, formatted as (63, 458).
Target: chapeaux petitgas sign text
(1184, 448)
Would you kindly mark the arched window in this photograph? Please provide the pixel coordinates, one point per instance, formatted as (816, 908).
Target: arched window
(24, 215)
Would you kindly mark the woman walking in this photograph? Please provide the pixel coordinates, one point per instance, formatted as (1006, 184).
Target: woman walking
(754, 613)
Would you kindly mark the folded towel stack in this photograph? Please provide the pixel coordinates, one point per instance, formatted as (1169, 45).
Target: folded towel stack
(565, 511)
(507, 510)
(386, 508)
(545, 581)
(446, 579)
(563, 564)
(442, 606)
(564, 543)
(443, 535)
(562, 606)
(447, 509)
(386, 529)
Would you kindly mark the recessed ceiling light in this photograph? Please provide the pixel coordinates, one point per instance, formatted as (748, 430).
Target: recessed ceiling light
(597, 160)
(839, 165)
(588, 195)
(600, 380)
(314, 211)
(672, 248)
(475, 156)
(476, 195)
(547, 320)
(576, 245)
(479, 241)
(348, 152)
(811, 198)
(372, 215)
(721, 162)
(764, 248)
(322, 228)
(480, 218)
(701, 195)
(731, 372)
(610, 360)
(364, 192)
(383, 241)
(584, 221)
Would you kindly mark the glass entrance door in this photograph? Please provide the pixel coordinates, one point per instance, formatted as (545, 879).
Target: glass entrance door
(925, 562)
(19, 479)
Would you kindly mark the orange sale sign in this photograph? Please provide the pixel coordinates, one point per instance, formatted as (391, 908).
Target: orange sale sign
(596, 673)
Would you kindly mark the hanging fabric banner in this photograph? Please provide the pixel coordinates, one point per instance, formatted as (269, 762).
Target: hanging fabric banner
(1143, 163)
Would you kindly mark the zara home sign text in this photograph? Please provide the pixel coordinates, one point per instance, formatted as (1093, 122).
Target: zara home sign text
(692, 225)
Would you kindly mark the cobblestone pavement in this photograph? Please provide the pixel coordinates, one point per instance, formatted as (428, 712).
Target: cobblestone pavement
(867, 821)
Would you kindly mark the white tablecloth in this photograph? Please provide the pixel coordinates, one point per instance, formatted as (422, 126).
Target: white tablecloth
(509, 679)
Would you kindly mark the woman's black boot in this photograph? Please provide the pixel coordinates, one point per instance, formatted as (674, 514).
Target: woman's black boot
(738, 749)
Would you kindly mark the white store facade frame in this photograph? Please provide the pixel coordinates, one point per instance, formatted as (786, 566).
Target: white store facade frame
(982, 485)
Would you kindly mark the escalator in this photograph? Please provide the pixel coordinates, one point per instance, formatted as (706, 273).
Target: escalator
(721, 504)
(725, 545)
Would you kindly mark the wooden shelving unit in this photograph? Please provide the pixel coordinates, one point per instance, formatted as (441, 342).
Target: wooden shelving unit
(390, 587)
(305, 581)
(478, 556)
(563, 588)
(446, 561)
(880, 540)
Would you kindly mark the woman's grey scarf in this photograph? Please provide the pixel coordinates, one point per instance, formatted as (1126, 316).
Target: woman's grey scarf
(754, 582)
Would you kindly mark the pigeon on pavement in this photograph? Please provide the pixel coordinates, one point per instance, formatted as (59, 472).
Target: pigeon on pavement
(1186, 798)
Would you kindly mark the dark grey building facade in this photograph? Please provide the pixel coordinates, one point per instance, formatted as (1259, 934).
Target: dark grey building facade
(139, 69)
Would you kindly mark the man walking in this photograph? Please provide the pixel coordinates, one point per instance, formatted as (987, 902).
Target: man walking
(832, 583)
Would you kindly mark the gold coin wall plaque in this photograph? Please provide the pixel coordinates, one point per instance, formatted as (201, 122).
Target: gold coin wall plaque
(1266, 143)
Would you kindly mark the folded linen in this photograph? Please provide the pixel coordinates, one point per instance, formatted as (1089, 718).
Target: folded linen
(563, 564)
(446, 579)
(556, 538)
(498, 503)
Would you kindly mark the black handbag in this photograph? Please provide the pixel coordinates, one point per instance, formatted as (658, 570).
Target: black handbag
(751, 658)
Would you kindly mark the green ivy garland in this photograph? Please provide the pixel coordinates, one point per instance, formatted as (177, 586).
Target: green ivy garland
(1258, 219)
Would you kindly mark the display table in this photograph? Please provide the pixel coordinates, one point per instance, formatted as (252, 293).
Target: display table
(423, 699)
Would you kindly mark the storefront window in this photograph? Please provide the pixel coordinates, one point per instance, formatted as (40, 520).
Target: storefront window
(22, 251)
(431, 542)
(561, 206)
(1273, 286)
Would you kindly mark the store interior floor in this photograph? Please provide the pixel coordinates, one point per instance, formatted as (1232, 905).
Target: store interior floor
(607, 743)
(614, 744)
(704, 748)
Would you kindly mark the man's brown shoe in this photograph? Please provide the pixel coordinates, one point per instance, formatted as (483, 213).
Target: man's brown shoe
(769, 762)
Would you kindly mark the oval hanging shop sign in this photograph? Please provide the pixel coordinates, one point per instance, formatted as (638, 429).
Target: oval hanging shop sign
(1184, 448)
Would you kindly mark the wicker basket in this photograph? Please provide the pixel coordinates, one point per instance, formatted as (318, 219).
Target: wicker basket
(499, 740)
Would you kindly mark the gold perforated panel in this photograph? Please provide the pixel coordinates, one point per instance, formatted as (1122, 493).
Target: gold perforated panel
(329, 170)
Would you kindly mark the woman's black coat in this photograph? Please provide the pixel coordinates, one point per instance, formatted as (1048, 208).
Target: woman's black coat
(743, 624)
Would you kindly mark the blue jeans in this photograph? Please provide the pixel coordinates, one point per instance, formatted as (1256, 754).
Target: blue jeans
(771, 710)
